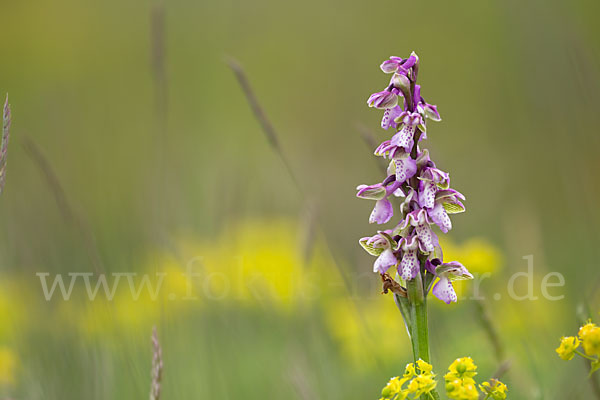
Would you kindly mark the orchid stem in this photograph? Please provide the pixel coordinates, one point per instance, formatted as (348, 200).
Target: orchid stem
(418, 315)
(417, 321)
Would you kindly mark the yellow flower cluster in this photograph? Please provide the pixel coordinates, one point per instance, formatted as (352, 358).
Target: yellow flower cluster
(567, 348)
(460, 384)
(494, 389)
(420, 378)
(589, 339)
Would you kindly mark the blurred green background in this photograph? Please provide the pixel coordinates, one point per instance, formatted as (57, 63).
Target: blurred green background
(133, 149)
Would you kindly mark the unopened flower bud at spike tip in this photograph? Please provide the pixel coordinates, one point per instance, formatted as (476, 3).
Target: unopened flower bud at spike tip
(401, 82)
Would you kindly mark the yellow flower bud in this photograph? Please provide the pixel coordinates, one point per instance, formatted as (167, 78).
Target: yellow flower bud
(386, 392)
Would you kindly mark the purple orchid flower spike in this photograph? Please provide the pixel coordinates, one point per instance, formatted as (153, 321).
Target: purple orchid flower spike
(430, 181)
(446, 202)
(447, 273)
(421, 221)
(383, 100)
(405, 136)
(383, 246)
(383, 210)
(412, 246)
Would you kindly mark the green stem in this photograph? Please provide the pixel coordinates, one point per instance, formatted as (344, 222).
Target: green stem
(419, 332)
(418, 315)
(585, 356)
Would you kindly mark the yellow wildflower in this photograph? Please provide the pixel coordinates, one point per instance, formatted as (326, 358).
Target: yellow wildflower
(421, 384)
(424, 382)
(393, 387)
(591, 343)
(424, 367)
(469, 392)
(453, 385)
(494, 389)
(586, 328)
(590, 338)
(461, 368)
(461, 389)
(460, 384)
(567, 347)
(409, 371)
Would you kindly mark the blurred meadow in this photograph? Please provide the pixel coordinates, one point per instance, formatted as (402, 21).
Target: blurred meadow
(133, 150)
